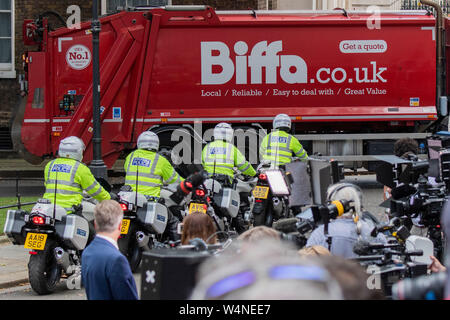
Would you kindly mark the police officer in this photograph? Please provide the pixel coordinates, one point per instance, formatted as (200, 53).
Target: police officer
(146, 168)
(221, 156)
(147, 171)
(279, 146)
(66, 177)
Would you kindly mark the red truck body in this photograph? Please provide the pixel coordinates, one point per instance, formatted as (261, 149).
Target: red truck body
(332, 73)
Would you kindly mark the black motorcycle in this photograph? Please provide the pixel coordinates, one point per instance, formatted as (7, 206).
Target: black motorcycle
(142, 218)
(55, 240)
(268, 206)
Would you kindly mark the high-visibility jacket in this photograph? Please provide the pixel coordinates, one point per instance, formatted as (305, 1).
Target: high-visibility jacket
(148, 171)
(65, 180)
(279, 147)
(221, 157)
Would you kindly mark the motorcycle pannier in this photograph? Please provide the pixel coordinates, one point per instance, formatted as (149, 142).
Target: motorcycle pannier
(73, 230)
(13, 226)
(228, 200)
(154, 216)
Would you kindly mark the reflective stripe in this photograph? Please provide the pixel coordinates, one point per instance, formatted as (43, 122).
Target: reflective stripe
(63, 182)
(142, 183)
(50, 169)
(246, 168)
(301, 153)
(174, 174)
(219, 166)
(155, 162)
(61, 191)
(131, 160)
(68, 150)
(92, 186)
(230, 154)
(96, 193)
(74, 171)
(144, 174)
(288, 144)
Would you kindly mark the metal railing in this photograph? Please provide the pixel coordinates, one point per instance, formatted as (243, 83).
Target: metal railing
(416, 5)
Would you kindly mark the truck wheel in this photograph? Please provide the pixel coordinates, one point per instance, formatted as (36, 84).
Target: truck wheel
(43, 270)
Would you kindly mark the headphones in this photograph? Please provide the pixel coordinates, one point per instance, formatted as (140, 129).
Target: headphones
(356, 218)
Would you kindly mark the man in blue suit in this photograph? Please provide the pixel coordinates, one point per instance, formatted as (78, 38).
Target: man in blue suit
(105, 272)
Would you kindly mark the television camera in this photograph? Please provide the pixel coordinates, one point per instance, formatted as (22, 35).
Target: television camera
(419, 189)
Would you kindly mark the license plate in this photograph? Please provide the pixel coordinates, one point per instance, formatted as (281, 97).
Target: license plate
(35, 241)
(193, 207)
(261, 192)
(125, 226)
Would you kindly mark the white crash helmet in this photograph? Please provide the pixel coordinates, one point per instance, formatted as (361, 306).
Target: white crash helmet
(71, 147)
(282, 120)
(223, 131)
(148, 140)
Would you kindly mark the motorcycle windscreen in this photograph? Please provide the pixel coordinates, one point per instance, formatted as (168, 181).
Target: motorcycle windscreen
(277, 183)
(301, 186)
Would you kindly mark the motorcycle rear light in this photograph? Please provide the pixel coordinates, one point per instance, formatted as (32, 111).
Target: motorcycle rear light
(200, 192)
(32, 252)
(262, 176)
(38, 220)
(124, 207)
(258, 200)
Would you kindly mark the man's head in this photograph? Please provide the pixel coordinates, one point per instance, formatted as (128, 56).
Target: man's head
(405, 146)
(71, 147)
(282, 122)
(259, 233)
(346, 191)
(148, 140)
(108, 218)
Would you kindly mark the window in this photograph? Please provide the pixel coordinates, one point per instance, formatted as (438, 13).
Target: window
(112, 5)
(7, 69)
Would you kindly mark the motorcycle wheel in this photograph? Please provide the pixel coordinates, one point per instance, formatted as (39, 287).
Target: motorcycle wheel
(269, 216)
(134, 255)
(43, 270)
(259, 219)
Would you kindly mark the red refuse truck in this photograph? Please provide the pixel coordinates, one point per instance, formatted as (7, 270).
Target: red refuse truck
(352, 82)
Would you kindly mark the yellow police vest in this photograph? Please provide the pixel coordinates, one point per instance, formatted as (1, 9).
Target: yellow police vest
(65, 180)
(147, 171)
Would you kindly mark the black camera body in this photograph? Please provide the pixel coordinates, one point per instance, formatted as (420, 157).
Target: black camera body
(390, 262)
(425, 287)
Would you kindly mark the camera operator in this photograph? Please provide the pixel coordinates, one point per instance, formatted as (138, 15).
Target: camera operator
(408, 148)
(402, 148)
(347, 229)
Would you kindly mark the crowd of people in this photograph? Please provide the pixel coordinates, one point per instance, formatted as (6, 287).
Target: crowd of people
(259, 264)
